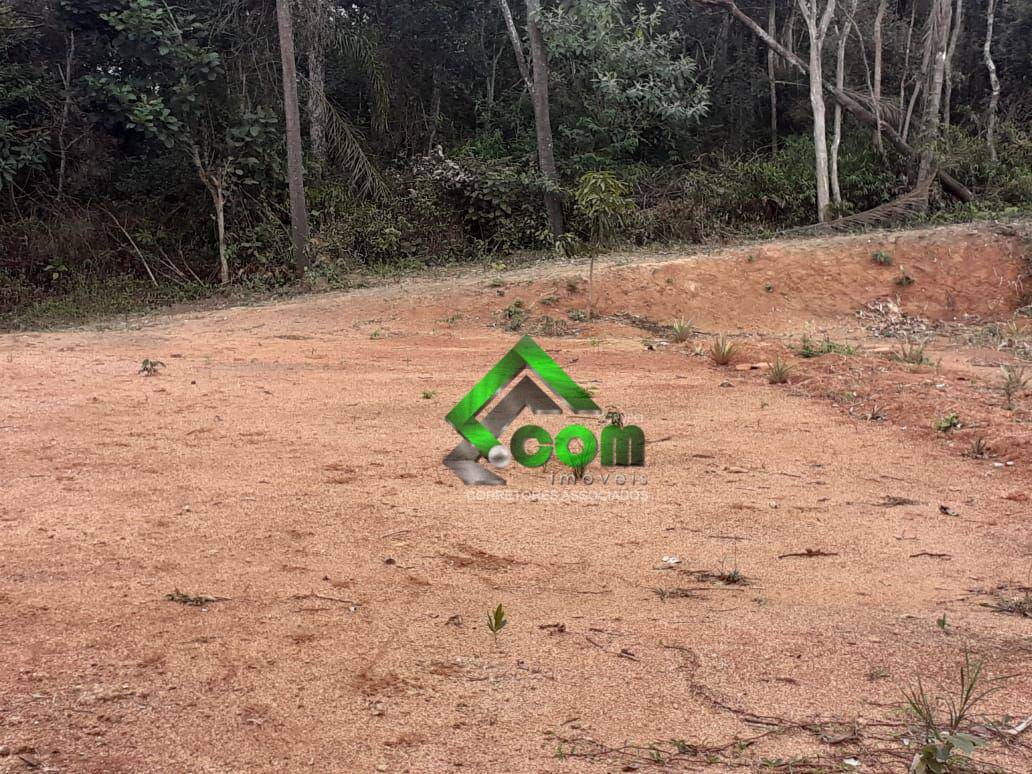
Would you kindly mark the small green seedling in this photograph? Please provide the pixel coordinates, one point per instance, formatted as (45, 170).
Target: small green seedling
(941, 622)
(497, 621)
(150, 367)
(948, 423)
(1014, 383)
(778, 372)
(904, 279)
(882, 258)
(912, 352)
(428, 394)
(809, 348)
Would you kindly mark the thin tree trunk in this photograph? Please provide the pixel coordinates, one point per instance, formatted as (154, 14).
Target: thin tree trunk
(922, 81)
(817, 29)
(947, 97)
(295, 171)
(994, 81)
(216, 185)
(219, 201)
(906, 70)
(938, 33)
(858, 111)
(840, 85)
(877, 89)
(542, 118)
(772, 81)
(317, 86)
(435, 107)
(66, 81)
(517, 44)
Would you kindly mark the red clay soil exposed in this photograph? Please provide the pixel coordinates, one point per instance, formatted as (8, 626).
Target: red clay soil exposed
(284, 472)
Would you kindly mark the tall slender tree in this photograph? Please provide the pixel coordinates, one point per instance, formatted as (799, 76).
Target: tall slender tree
(295, 169)
(535, 76)
(817, 23)
(994, 81)
(772, 83)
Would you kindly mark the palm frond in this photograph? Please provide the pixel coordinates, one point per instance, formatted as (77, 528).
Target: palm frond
(345, 146)
(360, 51)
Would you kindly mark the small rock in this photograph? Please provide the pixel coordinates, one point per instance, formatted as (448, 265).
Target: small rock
(726, 383)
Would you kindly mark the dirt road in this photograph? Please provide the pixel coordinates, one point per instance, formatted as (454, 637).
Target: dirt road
(287, 461)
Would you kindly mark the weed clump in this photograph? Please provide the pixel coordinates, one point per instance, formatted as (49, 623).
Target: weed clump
(722, 350)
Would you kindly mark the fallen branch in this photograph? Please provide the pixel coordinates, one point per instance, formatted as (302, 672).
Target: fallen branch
(134, 245)
(808, 553)
(324, 598)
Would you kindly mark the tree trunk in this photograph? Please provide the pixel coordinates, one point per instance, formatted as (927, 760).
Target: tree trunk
(216, 186)
(994, 81)
(836, 130)
(877, 89)
(772, 81)
(858, 111)
(947, 97)
(517, 44)
(938, 33)
(317, 86)
(218, 199)
(295, 171)
(817, 29)
(906, 69)
(542, 118)
(435, 107)
(66, 81)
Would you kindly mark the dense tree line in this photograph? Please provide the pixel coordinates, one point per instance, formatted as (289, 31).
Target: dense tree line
(146, 139)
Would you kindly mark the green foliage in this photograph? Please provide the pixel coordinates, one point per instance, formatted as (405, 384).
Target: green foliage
(912, 352)
(497, 201)
(1001, 183)
(947, 423)
(160, 91)
(882, 258)
(626, 74)
(497, 621)
(942, 719)
(779, 371)
(809, 348)
(722, 349)
(681, 330)
(1014, 383)
(603, 205)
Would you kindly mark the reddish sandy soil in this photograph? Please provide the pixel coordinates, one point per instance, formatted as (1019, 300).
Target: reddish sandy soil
(288, 461)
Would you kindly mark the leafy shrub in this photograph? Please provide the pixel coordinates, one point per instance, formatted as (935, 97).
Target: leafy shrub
(603, 206)
(497, 201)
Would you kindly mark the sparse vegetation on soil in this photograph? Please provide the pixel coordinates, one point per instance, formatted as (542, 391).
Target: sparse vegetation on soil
(759, 601)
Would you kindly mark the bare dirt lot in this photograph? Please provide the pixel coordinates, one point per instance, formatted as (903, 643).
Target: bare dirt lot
(284, 471)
